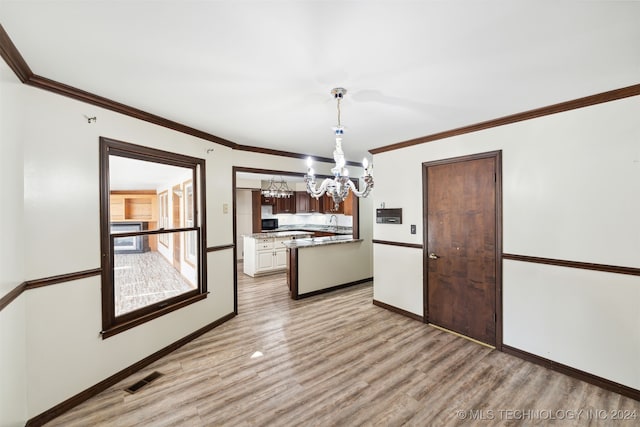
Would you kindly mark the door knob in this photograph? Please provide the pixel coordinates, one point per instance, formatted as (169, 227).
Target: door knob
(433, 256)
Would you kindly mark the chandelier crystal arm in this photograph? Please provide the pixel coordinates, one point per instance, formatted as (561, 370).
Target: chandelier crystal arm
(311, 186)
(368, 186)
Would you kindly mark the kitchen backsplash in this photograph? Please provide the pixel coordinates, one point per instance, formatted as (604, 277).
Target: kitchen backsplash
(315, 219)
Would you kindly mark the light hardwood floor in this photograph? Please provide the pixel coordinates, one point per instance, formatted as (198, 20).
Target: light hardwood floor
(338, 360)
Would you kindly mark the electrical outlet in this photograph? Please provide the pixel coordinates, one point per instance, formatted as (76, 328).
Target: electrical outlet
(413, 229)
(225, 208)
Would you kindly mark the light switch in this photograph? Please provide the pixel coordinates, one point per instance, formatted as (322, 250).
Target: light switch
(225, 208)
(413, 229)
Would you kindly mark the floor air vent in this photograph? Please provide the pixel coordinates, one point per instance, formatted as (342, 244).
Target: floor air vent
(143, 382)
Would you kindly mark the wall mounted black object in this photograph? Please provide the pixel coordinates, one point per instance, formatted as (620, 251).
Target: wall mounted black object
(389, 216)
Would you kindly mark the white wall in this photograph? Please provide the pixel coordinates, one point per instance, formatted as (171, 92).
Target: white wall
(13, 391)
(571, 183)
(64, 352)
(244, 219)
(581, 318)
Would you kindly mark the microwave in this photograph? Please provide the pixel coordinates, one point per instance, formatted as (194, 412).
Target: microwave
(269, 224)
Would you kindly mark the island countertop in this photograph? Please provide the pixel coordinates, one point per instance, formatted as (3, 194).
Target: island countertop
(319, 241)
(316, 227)
(277, 234)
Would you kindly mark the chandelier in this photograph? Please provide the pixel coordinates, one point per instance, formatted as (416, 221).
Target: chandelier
(338, 186)
(277, 189)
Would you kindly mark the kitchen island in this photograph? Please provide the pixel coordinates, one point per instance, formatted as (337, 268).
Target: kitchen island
(322, 264)
(264, 253)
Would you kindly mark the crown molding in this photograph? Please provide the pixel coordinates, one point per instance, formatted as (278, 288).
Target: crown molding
(16, 62)
(90, 98)
(13, 58)
(586, 101)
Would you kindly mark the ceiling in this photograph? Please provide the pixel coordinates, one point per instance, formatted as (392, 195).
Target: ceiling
(259, 73)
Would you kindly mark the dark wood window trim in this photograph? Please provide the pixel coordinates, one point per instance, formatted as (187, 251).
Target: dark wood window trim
(112, 324)
(574, 264)
(220, 248)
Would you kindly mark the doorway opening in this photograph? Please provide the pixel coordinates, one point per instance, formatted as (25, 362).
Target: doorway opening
(299, 212)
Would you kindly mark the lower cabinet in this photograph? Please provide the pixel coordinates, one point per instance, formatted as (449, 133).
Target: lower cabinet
(264, 260)
(273, 259)
(263, 255)
(280, 259)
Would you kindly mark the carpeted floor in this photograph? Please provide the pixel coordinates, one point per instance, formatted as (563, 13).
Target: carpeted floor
(143, 279)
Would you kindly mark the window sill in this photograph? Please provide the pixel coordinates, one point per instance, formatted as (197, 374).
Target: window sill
(121, 327)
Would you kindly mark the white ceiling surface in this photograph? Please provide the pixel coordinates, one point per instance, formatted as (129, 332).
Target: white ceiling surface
(259, 73)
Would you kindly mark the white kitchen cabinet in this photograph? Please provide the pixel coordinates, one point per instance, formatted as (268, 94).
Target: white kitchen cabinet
(280, 259)
(264, 255)
(264, 261)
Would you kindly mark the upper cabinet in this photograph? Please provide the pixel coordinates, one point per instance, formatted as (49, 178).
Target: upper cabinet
(266, 200)
(346, 207)
(350, 204)
(285, 205)
(307, 204)
(141, 206)
(330, 206)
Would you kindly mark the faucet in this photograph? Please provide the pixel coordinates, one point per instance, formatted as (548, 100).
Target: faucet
(331, 218)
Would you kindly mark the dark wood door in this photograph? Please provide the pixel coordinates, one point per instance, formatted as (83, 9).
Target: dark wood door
(461, 251)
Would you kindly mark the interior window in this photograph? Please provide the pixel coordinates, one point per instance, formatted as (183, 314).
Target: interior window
(190, 246)
(163, 218)
(152, 220)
